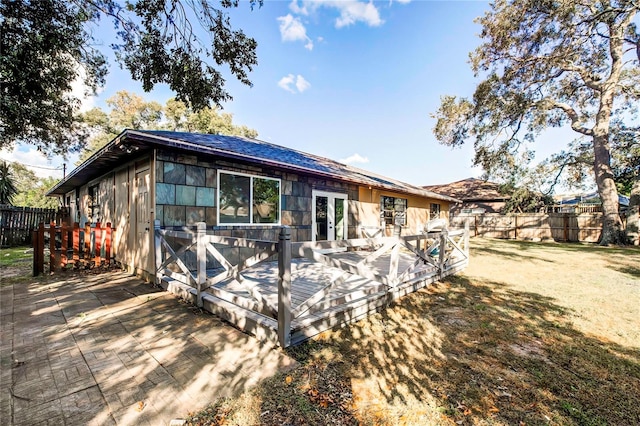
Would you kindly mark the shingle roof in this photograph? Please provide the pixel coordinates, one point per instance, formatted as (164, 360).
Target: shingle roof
(233, 147)
(470, 189)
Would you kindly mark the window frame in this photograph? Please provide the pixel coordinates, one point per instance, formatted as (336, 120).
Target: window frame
(431, 206)
(251, 210)
(383, 211)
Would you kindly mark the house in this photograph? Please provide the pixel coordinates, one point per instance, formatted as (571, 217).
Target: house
(477, 195)
(590, 202)
(239, 187)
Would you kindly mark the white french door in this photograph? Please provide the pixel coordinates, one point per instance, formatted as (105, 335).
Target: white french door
(330, 213)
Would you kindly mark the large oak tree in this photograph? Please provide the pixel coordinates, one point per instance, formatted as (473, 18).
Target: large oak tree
(46, 45)
(551, 63)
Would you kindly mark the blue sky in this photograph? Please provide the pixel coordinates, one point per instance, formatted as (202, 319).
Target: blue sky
(346, 80)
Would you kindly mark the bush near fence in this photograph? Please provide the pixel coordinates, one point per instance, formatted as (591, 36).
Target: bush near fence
(576, 227)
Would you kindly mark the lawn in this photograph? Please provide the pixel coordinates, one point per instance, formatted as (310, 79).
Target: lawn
(530, 333)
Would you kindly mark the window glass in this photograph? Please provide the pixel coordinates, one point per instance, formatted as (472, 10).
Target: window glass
(234, 198)
(435, 211)
(266, 200)
(393, 210)
(248, 199)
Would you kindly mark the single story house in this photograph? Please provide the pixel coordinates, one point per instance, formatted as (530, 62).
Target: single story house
(238, 186)
(477, 195)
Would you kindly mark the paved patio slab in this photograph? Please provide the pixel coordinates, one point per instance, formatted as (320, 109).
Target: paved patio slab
(109, 349)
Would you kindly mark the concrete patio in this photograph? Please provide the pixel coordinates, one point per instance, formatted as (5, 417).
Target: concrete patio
(109, 349)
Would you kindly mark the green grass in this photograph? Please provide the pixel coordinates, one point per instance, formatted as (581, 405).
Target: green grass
(15, 256)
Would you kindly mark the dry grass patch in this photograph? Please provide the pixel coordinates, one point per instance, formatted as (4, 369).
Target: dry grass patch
(530, 334)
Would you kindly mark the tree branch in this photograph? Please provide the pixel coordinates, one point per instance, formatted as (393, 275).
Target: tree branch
(571, 113)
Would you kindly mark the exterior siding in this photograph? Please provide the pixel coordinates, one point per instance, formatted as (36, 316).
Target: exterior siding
(418, 210)
(178, 176)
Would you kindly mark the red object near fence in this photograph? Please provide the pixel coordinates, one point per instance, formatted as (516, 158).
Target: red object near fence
(89, 246)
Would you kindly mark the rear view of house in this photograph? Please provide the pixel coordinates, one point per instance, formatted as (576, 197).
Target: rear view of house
(239, 187)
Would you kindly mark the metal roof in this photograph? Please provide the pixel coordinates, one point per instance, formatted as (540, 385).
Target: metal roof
(132, 143)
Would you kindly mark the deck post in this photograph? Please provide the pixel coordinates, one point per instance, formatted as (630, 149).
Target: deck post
(466, 238)
(157, 238)
(444, 235)
(201, 260)
(284, 287)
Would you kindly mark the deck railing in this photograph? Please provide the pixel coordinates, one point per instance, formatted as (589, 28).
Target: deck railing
(223, 259)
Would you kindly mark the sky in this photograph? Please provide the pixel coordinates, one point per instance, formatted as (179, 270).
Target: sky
(354, 81)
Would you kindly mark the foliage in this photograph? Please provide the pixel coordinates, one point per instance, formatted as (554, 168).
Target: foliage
(549, 64)
(8, 188)
(129, 110)
(523, 200)
(48, 44)
(32, 190)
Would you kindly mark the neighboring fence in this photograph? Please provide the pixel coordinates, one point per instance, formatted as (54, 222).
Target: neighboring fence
(17, 223)
(583, 227)
(71, 246)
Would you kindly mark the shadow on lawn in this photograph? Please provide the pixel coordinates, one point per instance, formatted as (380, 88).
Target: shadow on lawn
(480, 352)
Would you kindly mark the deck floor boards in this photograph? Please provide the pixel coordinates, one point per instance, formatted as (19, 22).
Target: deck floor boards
(346, 301)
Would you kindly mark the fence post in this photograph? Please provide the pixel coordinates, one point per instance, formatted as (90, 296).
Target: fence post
(284, 287)
(64, 243)
(107, 244)
(87, 242)
(97, 250)
(52, 246)
(201, 261)
(76, 244)
(157, 248)
(442, 250)
(38, 250)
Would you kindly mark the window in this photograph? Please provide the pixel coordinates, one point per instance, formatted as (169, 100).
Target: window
(246, 199)
(393, 210)
(434, 211)
(94, 204)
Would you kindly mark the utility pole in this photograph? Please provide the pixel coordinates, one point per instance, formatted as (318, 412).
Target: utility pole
(64, 170)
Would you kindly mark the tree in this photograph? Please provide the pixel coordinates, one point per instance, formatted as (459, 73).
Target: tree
(31, 190)
(549, 63)
(129, 110)
(46, 45)
(7, 184)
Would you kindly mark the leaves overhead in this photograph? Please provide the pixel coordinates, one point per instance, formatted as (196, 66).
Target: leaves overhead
(131, 111)
(49, 44)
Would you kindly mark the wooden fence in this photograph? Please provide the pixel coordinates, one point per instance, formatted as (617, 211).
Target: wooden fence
(17, 223)
(72, 246)
(583, 227)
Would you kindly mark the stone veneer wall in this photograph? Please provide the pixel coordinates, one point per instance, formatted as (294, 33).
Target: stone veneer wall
(186, 194)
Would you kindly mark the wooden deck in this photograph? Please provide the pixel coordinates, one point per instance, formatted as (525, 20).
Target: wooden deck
(306, 290)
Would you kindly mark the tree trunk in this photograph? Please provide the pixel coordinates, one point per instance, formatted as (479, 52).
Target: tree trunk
(633, 217)
(611, 223)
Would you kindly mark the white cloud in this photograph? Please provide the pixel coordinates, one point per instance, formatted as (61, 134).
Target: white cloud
(291, 83)
(302, 84)
(35, 161)
(292, 29)
(298, 10)
(78, 90)
(355, 158)
(286, 82)
(352, 12)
